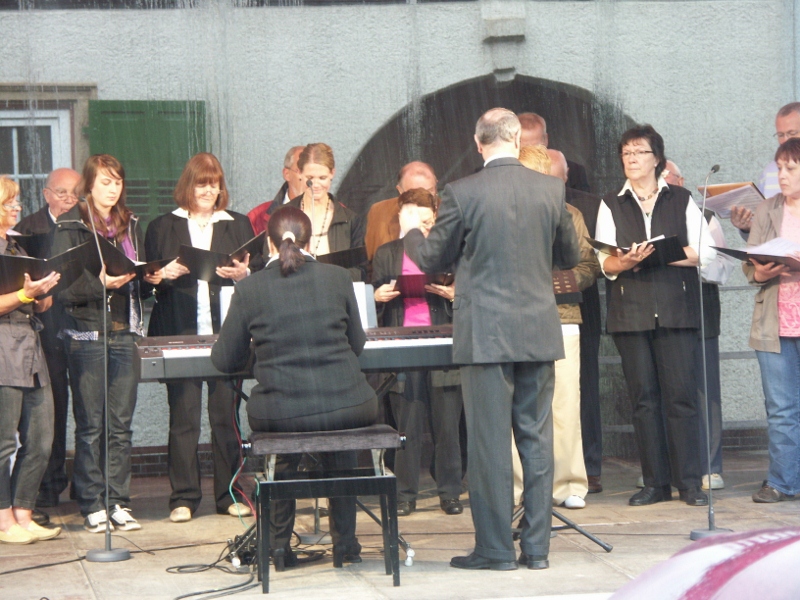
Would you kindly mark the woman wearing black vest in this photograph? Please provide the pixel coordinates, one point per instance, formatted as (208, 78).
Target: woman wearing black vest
(654, 316)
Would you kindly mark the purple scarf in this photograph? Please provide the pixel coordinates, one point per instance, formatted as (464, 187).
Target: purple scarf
(127, 246)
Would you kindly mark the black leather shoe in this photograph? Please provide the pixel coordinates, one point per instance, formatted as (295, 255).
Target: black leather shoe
(40, 517)
(451, 506)
(535, 563)
(476, 562)
(595, 485)
(406, 508)
(651, 495)
(694, 497)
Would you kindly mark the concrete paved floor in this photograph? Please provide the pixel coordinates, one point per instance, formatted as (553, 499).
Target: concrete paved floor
(642, 537)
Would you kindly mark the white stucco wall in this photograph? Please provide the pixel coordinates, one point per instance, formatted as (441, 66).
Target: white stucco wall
(709, 75)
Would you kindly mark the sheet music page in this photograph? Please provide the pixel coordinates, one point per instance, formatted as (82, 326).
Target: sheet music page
(225, 295)
(776, 247)
(360, 288)
(746, 196)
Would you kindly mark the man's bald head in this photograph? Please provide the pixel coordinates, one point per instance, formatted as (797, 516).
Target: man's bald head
(61, 190)
(534, 129)
(672, 174)
(416, 174)
(558, 164)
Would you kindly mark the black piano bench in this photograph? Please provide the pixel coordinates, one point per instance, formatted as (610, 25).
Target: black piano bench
(353, 482)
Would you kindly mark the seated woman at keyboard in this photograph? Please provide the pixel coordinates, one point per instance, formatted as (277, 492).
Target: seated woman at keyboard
(303, 319)
(425, 396)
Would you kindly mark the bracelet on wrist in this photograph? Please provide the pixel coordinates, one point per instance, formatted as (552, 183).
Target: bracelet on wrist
(23, 298)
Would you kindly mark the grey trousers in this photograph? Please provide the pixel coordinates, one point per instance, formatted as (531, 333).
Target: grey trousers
(28, 411)
(497, 398)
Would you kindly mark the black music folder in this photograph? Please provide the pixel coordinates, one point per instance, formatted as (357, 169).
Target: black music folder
(413, 286)
(35, 244)
(203, 263)
(777, 256)
(70, 264)
(347, 259)
(666, 250)
(118, 264)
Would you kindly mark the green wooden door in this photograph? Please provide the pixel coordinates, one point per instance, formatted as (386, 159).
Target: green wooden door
(153, 141)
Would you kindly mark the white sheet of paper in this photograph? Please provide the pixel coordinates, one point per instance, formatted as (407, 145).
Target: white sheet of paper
(776, 247)
(225, 295)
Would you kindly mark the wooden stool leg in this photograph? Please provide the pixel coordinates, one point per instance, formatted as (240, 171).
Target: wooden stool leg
(264, 494)
(387, 547)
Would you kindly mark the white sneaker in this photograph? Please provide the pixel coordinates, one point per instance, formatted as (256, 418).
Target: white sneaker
(574, 502)
(182, 514)
(96, 522)
(238, 509)
(716, 482)
(123, 520)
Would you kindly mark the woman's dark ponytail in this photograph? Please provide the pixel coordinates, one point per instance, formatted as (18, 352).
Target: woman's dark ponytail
(290, 229)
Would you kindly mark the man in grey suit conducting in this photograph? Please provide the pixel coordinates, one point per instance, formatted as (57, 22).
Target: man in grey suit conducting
(504, 227)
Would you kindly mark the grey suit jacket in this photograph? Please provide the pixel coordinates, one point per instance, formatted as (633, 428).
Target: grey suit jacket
(504, 227)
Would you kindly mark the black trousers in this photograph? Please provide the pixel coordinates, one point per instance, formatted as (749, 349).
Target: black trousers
(55, 477)
(660, 370)
(342, 515)
(591, 421)
(441, 407)
(185, 408)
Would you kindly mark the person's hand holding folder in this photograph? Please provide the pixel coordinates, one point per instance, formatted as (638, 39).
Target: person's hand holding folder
(633, 257)
(237, 271)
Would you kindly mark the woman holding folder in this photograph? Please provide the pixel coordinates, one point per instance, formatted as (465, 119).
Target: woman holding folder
(85, 302)
(335, 227)
(186, 305)
(433, 397)
(654, 315)
(26, 402)
(775, 332)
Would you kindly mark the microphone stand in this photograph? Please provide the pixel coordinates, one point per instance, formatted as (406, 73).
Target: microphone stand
(698, 534)
(107, 554)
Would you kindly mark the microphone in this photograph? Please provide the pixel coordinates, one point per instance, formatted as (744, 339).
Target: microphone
(715, 169)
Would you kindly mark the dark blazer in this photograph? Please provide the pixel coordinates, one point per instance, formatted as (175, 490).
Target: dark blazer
(503, 228)
(589, 205)
(307, 334)
(387, 265)
(83, 301)
(175, 311)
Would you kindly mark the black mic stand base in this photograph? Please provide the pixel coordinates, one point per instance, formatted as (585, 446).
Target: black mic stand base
(699, 534)
(108, 555)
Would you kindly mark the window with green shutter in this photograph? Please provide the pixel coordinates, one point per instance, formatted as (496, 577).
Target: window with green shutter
(153, 140)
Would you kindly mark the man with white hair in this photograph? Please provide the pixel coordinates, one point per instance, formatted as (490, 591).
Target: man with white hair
(293, 186)
(505, 227)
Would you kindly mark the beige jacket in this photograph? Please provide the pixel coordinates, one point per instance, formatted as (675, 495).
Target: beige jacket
(766, 226)
(586, 271)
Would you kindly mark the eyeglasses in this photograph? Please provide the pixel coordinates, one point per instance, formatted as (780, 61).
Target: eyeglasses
(63, 194)
(635, 153)
(10, 207)
(785, 135)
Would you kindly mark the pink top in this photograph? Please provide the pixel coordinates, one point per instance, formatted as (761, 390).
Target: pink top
(416, 309)
(789, 290)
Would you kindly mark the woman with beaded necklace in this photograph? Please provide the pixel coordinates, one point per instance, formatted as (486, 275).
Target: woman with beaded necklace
(335, 227)
(186, 305)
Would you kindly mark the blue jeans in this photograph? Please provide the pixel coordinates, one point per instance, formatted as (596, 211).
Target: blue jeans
(86, 379)
(780, 378)
(29, 411)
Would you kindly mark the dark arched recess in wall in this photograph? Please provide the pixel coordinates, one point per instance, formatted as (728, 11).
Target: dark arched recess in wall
(438, 129)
